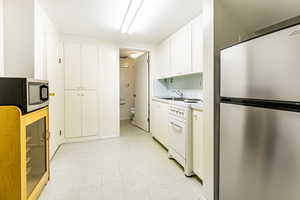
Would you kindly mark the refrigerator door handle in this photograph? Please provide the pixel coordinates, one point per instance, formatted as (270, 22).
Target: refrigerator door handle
(262, 103)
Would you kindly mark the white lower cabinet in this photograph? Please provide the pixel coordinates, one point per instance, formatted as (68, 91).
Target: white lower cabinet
(198, 144)
(160, 122)
(90, 115)
(73, 118)
(81, 114)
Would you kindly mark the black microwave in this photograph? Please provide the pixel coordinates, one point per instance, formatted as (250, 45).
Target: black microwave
(27, 94)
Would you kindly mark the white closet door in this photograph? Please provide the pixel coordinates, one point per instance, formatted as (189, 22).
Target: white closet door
(90, 110)
(72, 54)
(73, 118)
(141, 91)
(89, 68)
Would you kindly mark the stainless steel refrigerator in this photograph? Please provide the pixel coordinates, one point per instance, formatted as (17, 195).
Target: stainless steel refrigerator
(260, 118)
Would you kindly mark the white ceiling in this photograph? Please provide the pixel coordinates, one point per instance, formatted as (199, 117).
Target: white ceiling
(103, 18)
(258, 14)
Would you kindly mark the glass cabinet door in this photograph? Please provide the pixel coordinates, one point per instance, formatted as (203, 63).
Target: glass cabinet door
(35, 153)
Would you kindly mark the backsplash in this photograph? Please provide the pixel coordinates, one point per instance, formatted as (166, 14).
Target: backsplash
(190, 86)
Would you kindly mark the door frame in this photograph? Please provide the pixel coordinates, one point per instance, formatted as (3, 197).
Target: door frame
(148, 81)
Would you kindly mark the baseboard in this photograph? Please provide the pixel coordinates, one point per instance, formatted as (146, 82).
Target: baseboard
(87, 139)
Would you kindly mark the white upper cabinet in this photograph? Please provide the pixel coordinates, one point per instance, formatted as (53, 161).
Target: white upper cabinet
(197, 45)
(81, 66)
(90, 66)
(72, 54)
(181, 51)
(164, 66)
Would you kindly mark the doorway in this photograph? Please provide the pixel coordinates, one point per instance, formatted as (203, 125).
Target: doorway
(134, 88)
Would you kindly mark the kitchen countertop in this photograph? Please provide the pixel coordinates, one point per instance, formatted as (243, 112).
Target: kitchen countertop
(196, 106)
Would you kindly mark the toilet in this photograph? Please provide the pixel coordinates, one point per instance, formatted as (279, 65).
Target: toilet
(132, 119)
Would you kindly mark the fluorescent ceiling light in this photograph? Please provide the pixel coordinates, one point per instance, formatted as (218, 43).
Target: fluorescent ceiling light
(130, 16)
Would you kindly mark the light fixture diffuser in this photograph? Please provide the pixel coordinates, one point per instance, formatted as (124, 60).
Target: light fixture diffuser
(130, 15)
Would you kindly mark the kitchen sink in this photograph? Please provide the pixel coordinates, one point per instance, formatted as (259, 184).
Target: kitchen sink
(180, 99)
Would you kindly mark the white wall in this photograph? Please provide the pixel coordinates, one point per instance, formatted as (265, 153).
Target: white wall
(109, 91)
(127, 89)
(47, 67)
(209, 97)
(19, 37)
(191, 86)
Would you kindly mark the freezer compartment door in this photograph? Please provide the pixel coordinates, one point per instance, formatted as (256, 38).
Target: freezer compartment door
(264, 68)
(259, 153)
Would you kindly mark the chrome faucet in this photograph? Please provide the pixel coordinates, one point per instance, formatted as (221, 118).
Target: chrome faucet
(178, 92)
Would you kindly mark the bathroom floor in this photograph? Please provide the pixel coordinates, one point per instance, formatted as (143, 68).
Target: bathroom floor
(132, 167)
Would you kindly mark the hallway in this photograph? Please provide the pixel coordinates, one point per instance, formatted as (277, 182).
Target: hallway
(132, 167)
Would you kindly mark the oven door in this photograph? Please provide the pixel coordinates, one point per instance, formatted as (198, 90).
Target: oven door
(37, 94)
(177, 136)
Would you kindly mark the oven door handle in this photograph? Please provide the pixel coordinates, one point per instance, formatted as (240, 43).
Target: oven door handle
(176, 125)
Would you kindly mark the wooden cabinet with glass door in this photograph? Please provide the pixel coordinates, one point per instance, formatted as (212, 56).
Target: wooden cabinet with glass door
(24, 153)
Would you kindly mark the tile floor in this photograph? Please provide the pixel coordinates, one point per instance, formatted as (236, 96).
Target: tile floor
(132, 167)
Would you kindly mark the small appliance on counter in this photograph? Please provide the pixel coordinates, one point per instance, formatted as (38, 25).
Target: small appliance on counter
(27, 94)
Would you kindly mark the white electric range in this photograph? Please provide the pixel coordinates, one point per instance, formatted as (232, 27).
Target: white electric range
(180, 130)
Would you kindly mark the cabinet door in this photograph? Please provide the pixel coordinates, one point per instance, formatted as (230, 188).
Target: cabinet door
(165, 124)
(89, 66)
(90, 113)
(198, 144)
(197, 45)
(154, 120)
(181, 51)
(72, 54)
(160, 122)
(164, 58)
(73, 112)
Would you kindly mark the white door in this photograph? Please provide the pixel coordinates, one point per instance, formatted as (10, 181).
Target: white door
(141, 91)
(181, 51)
(90, 118)
(155, 121)
(198, 144)
(89, 67)
(164, 124)
(55, 72)
(73, 114)
(72, 55)
(197, 45)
